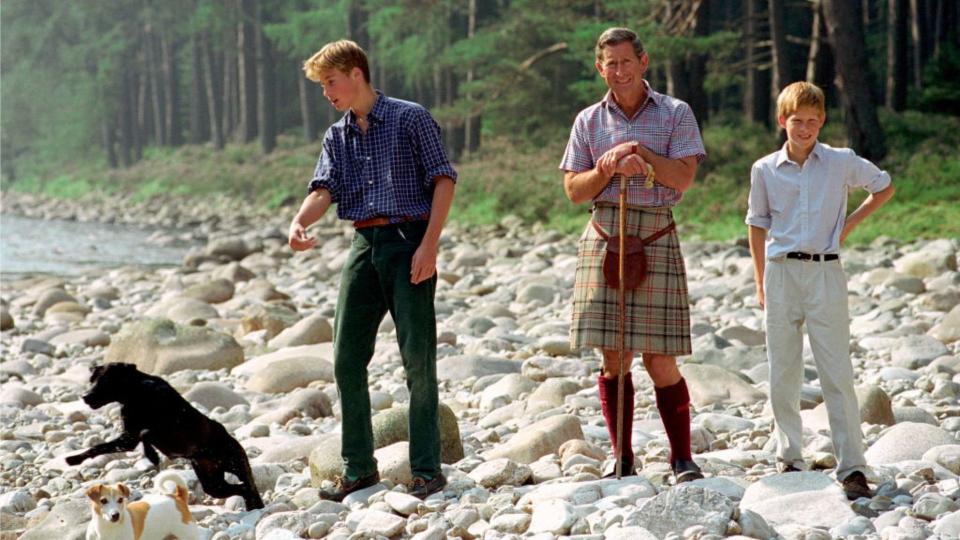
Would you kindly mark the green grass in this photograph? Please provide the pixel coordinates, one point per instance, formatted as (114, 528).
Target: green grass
(505, 179)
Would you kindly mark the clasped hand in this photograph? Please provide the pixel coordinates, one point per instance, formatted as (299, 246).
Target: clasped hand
(621, 160)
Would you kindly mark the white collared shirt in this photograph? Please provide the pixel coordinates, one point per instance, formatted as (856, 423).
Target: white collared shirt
(804, 207)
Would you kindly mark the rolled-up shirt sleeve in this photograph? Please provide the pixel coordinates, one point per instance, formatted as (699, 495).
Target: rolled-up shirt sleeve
(758, 209)
(424, 133)
(327, 174)
(862, 173)
(577, 157)
(685, 141)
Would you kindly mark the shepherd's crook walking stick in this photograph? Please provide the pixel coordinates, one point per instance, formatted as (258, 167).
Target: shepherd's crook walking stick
(621, 322)
(622, 315)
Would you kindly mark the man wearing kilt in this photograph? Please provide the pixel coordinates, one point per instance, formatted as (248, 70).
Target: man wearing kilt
(632, 128)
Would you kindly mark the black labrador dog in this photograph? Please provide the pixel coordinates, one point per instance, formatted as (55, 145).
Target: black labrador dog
(154, 414)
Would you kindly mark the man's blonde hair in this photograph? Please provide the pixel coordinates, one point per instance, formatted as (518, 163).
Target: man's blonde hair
(343, 55)
(800, 94)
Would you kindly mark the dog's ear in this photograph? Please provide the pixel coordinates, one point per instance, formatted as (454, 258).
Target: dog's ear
(93, 492)
(124, 489)
(96, 371)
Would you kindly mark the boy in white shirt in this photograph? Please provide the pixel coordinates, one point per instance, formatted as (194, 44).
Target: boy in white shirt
(797, 221)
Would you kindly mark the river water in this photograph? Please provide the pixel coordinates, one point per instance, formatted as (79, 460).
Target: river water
(66, 248)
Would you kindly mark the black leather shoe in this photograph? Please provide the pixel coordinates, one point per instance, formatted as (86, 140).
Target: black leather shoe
(855, 486)
(343, 486)
(686, 470)
(424, 487)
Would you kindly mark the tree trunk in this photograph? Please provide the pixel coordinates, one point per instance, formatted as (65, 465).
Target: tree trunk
(853, 81)
(109, 139)
(156, 91)
(247, 70)
(213, 94)
(896, 54)
(231, 99)
(143, 113)
(756, 98)
(127, 103)
(697, 67)
(780, 74)
(308, 108)
(471, 129)
(199, 125)
(266, 86)
(918, 40)
(171, 78)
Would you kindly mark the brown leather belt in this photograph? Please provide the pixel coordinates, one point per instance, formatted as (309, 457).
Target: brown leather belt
(381, 221)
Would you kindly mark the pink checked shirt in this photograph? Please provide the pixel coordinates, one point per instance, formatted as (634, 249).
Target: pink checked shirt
(664, 124)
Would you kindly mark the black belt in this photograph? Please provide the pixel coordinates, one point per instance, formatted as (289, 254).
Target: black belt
(816, 257)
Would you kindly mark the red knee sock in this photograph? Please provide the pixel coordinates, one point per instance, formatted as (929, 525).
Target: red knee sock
(674, 405)
(609, 406)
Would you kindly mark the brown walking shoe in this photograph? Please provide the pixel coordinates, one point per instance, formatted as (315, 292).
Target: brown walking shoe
(855, 486)
(424, 487)
(343, 486)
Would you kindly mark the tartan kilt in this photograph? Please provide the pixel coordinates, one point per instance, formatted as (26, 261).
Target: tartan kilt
(658, 312)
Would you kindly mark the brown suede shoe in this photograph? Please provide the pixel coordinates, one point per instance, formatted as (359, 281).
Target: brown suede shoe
(423, 487)
(787, 467)
(343, 486)
(855, 486)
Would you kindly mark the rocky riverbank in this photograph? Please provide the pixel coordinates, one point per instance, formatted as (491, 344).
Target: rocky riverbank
(242, 329)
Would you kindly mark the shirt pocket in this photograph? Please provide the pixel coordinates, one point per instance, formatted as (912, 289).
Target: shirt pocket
(784, 197)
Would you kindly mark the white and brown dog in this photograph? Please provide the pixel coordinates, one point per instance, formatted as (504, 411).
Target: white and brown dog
(153, 517)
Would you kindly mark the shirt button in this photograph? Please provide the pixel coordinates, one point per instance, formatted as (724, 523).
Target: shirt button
(371, 204)
(370, 182)
(368, 158)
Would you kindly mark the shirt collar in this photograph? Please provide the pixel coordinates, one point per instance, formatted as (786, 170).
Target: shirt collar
(652, 97)
(783, 157)
(376, 114)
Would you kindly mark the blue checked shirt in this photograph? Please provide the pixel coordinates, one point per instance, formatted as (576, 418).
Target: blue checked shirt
(804, 208)
(389, 170)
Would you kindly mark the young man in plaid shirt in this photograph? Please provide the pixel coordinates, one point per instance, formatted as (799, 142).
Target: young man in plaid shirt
(634, 127)
(384, 165)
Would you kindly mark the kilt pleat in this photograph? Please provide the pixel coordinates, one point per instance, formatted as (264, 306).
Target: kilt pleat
(658, 312)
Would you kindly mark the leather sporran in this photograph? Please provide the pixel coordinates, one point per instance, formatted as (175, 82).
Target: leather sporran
(635, 263)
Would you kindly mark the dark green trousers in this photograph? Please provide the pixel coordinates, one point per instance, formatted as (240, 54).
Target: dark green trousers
(375, 280)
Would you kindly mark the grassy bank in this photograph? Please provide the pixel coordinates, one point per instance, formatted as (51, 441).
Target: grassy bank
(506, 179)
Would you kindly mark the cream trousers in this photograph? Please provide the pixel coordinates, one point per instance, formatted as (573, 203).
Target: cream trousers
(814, 293)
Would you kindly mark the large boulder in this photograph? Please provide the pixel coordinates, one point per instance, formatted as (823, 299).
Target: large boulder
(212, 394)
(290, 373)
(49, 298)
(458, 368)
(906, 441)
(66, 521)
(948, 329)
(712, 384)
(811, 499)
(6, 320)
(875, 407)
(320, 352)
(161, 347)
(307, 331)
(392, 425)
(537, 440)
(934, 259)
(184, 310)
(674, 510)
(274, 318)
(212, 292)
